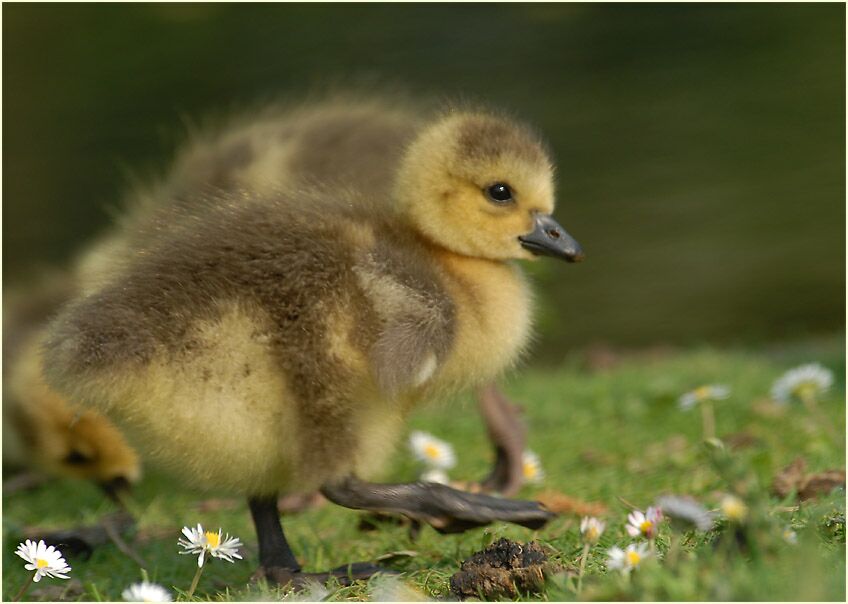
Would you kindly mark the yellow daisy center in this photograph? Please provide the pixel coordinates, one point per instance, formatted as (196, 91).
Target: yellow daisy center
(529, 470)
(646, 526)
(213, 539)
(39, 563)
(735, 509)
(592, 533)
(805, 390)
(633, 558)
(702, 392)
(432, 451)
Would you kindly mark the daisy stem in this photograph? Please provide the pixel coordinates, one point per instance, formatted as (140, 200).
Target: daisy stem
(673, 549)
(24, 589)
(194, 582)
(708, 419)
(809, 400)
(582, 567)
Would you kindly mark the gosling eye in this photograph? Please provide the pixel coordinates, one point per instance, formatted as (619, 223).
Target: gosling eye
(75, 458)
(499, 193)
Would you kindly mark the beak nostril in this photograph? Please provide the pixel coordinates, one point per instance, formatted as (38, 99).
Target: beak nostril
(549, 238)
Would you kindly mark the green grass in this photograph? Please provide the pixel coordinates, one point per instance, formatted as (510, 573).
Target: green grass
(612, 436)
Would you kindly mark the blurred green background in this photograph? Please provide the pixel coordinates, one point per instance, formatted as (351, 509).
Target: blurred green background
(700, 147)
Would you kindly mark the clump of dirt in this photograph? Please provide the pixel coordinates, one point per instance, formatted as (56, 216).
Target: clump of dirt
(504, 569)
(741, 440)
(794, 478)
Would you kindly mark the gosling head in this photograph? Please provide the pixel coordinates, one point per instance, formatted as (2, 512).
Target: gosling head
(93, 449)
(483, 186)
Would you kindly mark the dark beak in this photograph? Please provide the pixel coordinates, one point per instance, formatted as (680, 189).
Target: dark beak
(550, 239)
(116, 489)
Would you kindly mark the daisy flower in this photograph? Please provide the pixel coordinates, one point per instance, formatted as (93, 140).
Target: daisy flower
(310, 591)
(146, 592)
(645, 524)
(45, 560)
(435, 475)
(434, 452)
(733, 508)
(531, 468)
(790, 536)
(685, 512)
(803, 383)
(626, 560)
(198, 541)
(712, 392)
(591, 529)
(387, 588)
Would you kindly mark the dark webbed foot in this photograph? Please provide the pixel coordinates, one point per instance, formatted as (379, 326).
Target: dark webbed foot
(445, 509)
(277, 562)
(345, 575)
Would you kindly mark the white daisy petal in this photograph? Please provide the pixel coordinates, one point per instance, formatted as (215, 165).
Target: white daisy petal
(643, 524)
(615, 557)
(626, 560)
(312, 591)
(386, 588)
(226, 548)
(685, 512)
(806, 381)
(687, 401)
(433, 452)
(435, 475)
(654, 514)
(709, 392)
(45, 560)
(591, 529)
(146, 592)
(217, 544)
(532, 467)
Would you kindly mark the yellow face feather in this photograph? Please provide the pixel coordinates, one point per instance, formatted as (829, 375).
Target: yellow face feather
(494, 308)
(445, 178)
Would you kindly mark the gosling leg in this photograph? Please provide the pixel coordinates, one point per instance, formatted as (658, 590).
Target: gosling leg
(508, 435)
(276, 559)
(274, 550)
(446, 509)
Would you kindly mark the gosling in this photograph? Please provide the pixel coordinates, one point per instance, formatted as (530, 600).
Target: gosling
(290, 333)
(354, 141)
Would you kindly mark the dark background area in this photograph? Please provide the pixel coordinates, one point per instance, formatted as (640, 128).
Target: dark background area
(701, 148)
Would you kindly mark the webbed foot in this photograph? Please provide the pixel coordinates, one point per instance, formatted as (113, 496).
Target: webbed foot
(298, 579)
(446, 509)
(277, 562)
